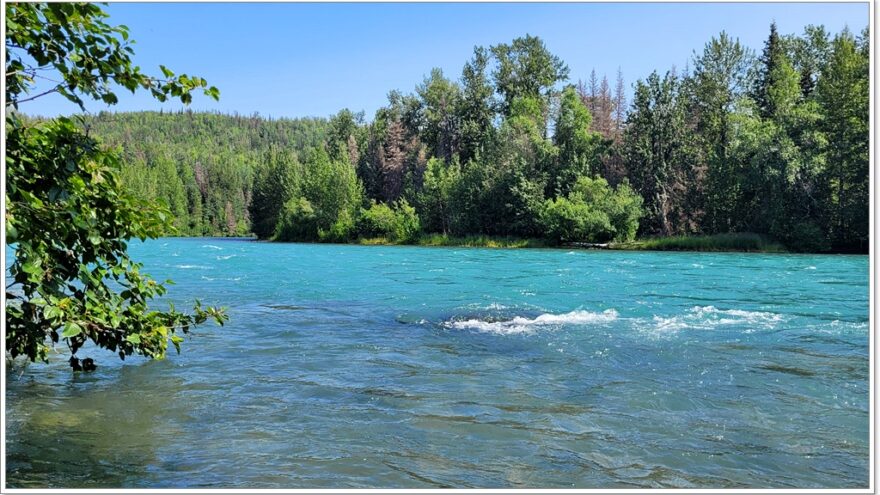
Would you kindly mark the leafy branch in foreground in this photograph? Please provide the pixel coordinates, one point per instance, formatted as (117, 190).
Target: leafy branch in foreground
(68, 216)
(73, 40)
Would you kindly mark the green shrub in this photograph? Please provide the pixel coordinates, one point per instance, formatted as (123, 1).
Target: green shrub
(342, 230)
(398, 224)
(568, 220)
(593, 212)
(806, 236)
(298, 221)
(408, 225)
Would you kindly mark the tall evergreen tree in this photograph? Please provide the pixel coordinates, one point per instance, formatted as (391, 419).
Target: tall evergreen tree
(655, 149)
(476, 112)
(720, 79)
(843, 95)
(766, 70)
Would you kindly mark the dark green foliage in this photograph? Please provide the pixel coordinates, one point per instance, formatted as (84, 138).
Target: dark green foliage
(68, 216)
(70, 221)
(809, 54)
(345, 136)
(767, 75)
(439, 101)
(435, 200)
(275, 179)
(297, 221)
(842, 94)
(657, 152)
(476, 113)
(720, 79)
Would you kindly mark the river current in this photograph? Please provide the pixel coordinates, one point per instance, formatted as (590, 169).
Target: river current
(411, 367)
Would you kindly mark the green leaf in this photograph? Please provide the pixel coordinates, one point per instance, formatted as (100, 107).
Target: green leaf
(11, 234)
(166, 71)
(71, 329)
(32, 267)
(52, 312)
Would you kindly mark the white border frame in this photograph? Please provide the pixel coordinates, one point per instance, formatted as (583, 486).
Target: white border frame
(871, 289)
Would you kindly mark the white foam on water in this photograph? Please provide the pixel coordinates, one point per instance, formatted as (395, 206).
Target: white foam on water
(810, 268)
(495, 305)
(838, 327)
(710, 317)
(226, 257)
(194, 267)
(478, 306)
(761, 318)
(211, 246)
(669, 324)
(520, 324)
(211, 279)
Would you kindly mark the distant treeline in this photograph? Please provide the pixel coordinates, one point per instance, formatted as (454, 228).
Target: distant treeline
(775, 143)
(202, 164)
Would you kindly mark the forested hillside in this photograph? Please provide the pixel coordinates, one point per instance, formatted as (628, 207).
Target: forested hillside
(202, 164)
(773, 142)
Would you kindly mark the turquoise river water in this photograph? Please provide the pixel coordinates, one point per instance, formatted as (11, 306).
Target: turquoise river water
(410, 367)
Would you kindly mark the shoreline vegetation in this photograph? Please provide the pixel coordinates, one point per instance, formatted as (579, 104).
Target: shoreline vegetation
(741, 242)
(745, 242)
(747, 151)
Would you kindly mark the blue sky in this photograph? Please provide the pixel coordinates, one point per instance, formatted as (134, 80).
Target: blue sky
(295, 60)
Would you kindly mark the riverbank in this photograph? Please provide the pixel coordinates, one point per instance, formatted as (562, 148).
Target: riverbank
(740, 242)
(743, 242)
(737, 242)
(443, 240)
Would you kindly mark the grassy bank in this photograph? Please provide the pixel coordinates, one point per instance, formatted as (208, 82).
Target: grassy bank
(437, 240)
(743, 242)
(746, 242)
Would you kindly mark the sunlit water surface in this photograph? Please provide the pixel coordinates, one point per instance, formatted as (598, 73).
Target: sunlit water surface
(350, 366)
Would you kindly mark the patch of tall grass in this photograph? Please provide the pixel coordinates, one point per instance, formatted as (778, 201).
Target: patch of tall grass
(440, 240)
(480, 241)
(744, 241)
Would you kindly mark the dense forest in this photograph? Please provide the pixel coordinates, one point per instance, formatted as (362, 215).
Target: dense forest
(202, 164)
(773, 142)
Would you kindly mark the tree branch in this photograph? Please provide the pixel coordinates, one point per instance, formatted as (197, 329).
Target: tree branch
(17, 102)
